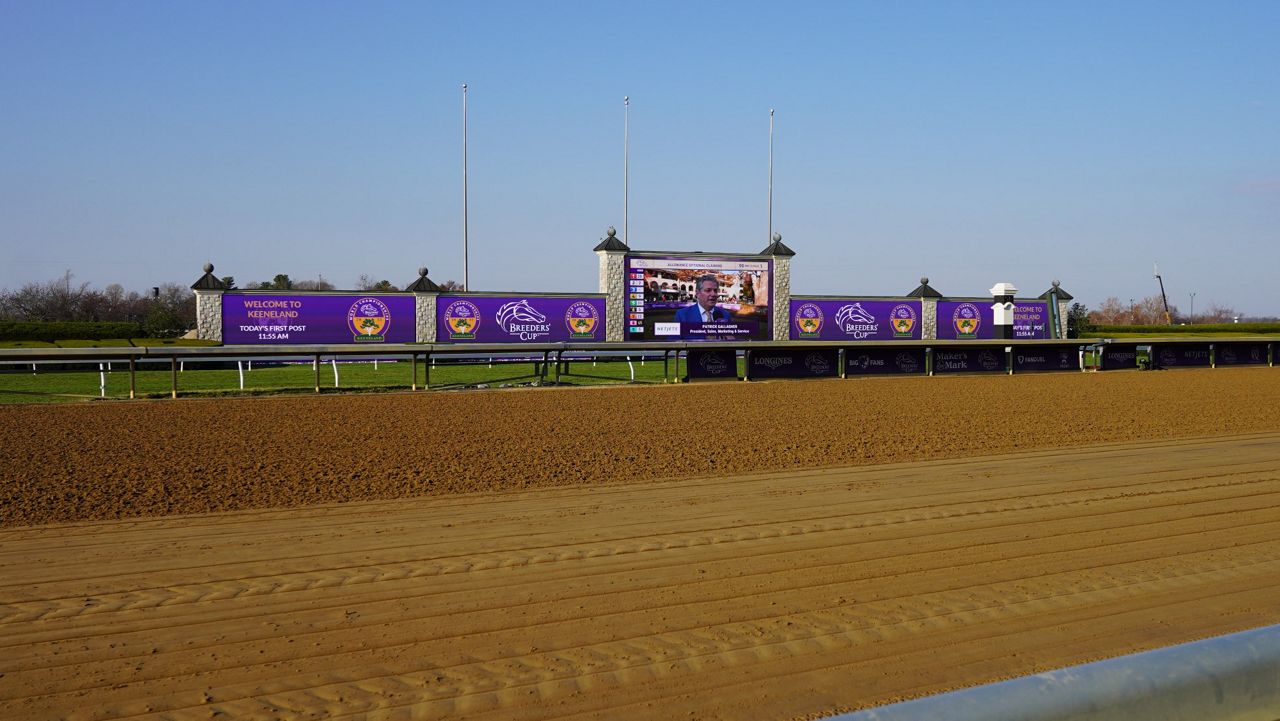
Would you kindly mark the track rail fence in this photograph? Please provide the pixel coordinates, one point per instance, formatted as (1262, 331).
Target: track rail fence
(554, 363)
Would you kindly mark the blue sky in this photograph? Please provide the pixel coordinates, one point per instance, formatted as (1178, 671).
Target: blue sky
(970, 142)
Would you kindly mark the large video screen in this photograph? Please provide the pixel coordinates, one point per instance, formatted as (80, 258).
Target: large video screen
(698, 299)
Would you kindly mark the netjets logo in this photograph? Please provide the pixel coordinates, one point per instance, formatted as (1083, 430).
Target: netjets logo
(522, 320)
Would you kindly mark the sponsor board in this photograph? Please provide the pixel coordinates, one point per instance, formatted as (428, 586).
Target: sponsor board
(1234, 354)
(519, 319)
(1030, 358)
(291, 319)
(842, 320)
(717, 363)
(801, 363)
(875, 361)
(968, 360)
(974, 320)
(1115, 357)
(1181, 356)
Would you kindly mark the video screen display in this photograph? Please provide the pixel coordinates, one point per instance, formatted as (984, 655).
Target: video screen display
(698, 299)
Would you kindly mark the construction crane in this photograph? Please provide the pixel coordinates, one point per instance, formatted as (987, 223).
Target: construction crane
(1163, 297)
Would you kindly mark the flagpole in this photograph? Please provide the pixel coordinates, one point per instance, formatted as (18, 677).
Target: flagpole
(466, 281)
(626, 167)
(770, 175)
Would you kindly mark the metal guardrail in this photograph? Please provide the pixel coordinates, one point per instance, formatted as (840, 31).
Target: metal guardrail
(1234, 677)
(551, 357)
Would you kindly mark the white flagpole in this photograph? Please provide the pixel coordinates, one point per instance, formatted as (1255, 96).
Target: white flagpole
(626, 167)
(466, 281)
(770, 175)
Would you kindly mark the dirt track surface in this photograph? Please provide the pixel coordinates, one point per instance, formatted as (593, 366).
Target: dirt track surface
(755, 586)
(125, 459)
(761, 597)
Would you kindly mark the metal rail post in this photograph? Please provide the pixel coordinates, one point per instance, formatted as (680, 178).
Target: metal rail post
(173, 375)
(132, 381)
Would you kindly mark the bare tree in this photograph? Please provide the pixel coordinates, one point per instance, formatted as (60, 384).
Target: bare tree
(452, 285)
(367, 283)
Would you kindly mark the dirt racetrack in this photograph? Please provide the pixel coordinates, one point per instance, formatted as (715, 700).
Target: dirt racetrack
(833, 545)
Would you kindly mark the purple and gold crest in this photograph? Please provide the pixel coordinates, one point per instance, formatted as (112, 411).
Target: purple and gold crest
(581, 318)
(808, 320)
(368, 319)
(966, 320)
(902, 319)
(462, 317)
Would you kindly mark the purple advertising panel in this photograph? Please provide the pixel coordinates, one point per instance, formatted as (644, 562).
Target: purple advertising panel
(855, 320)
(253, 319)
(1183, 356)
(974, 320)
(518, 319)
(719, 363)
(1045, 358)
(869, 361)
(1115, 357)
(698, 298)
(1236, 354)
(968, 360)
(793, 363)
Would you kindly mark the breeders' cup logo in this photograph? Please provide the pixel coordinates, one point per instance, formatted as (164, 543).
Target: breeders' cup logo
(817, 364)
(966, 321)
(808, 320)
(906, 363)
(368, 320)
(988, 361)
(581, 318)
(854, 320)
(713, 364)
(462, 318)
(903, 320)
(522, 320)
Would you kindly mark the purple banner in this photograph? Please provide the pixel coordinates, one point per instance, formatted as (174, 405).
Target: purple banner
(1115, 357)
(519, 319)
(869, 361)
(1045, 358)
(1234, 354)
(968, 360)
(719, 363)
(1188, 355)
(253, 319)
(842, 320)
(974, 320)
(815, 363)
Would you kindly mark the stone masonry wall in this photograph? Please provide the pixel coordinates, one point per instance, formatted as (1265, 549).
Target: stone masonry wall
(424, 307)
(209, 315)
(928, 319)
(613, 283)
(781, 297)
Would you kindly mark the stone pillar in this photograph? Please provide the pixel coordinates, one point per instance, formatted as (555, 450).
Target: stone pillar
(612, 253)
(209, 315)
(928, 318)
(780, 287)
(425, 294)
(1002, 309)
(781, 298)
(424, 308)
(209, 292)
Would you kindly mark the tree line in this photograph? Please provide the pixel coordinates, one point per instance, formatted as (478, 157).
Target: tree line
(162, 311)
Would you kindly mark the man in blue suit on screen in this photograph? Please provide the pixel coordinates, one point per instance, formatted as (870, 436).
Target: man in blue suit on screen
(705, 310)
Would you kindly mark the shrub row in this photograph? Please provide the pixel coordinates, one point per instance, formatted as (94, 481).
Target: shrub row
(67, 330)
(1268, 328)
